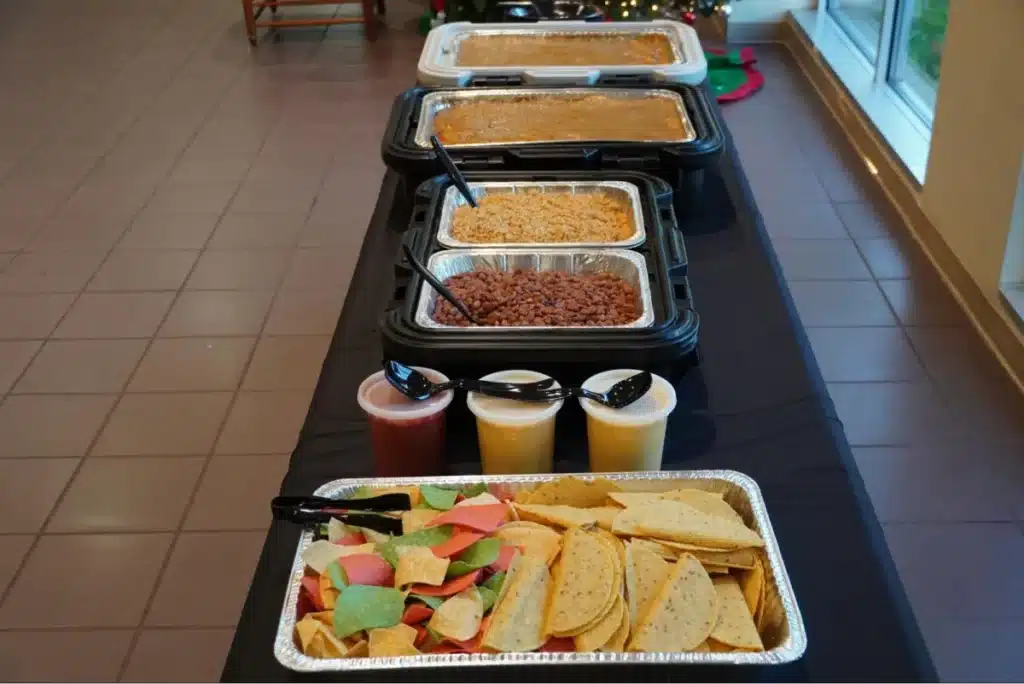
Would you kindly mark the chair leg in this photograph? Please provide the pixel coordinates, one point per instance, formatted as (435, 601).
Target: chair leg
(250, 21)
(369, 20)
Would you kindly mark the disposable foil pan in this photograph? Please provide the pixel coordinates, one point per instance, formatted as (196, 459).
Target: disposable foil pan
(785, 638)
(630, 266)
(453, 199)
(438, 63)
(437, 101)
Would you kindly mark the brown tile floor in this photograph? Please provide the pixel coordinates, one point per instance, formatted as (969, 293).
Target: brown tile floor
(173, 257)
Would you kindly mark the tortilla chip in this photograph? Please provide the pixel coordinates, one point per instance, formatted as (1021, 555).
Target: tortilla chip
(705, 502)
(715, 569)
(677, 521)
(583, 584)
(419, 565)
(666, 552)
(317, 640)
(359, 649)
(375, 536)
(415, 498)
(450, 587)
(735, 625)
(457, 543)
(742, 559)
(417, 519)
(752, 584)
(627, 499)
(321, 553)
(601, 633)
(617, 644)
(570, 491)
(683, 612)
(416, 613)
(328, 591)
(482, 499)
(388, 642)
(703, 647)
(368, 569)
(567, 516)
(533, 539)
(485, 518)
(517, 622)
(340, 533)
(646, 571)
(717, 647)
(459, 617)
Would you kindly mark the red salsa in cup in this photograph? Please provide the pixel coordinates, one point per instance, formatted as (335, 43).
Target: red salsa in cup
(407, 436)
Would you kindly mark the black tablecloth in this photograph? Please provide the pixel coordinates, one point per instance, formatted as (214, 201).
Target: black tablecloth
(756, 404)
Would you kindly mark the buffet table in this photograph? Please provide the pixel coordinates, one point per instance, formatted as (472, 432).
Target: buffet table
(756, 404)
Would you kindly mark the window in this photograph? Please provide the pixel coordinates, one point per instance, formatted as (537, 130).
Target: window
(903, 40)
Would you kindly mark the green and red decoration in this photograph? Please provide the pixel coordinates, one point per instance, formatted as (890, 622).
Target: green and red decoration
(733, 75)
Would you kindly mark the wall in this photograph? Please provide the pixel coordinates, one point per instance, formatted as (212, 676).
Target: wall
(974, 166)
(763, 11)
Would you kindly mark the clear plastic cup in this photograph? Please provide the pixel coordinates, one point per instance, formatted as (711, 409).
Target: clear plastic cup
(515, 436)
(630, 438)
(407, 436)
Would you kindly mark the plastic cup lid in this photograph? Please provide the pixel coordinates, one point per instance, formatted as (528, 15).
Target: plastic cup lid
(510, 411)
(378, 398)
(653, 406)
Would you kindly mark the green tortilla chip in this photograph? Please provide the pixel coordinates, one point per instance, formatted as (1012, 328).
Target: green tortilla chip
(474, 490)
(494, 582)
(476, 556)
(337, 575)
(437, 498)
(432, 601)
(430, 536)
(362, 607)
(487, 596)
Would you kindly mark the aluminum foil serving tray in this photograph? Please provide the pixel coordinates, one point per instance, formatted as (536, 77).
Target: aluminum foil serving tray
(453, 200)
(435, 102)
(629, 266)
(785, 638)
(439, 60)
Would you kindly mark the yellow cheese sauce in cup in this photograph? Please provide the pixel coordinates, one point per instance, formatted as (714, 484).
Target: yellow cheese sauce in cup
(515, 436)
(630, 438)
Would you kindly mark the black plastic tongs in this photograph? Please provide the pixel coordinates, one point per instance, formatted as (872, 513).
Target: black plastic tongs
(319, 509)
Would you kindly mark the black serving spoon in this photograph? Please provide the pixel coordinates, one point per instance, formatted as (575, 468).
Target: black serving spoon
(438, 286)
(620, 395)
(453, 171)
(418, 386)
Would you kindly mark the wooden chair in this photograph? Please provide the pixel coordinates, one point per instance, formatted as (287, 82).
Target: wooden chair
(253, 9)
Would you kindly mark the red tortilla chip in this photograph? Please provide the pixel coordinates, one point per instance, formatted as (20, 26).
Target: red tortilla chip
(505, 556)
(558, 645)
(354, 539)
(458, 542)
(311, 589)
(366, 568)
(421, 635)
(416, 613)
(485, 518)
(449, 588)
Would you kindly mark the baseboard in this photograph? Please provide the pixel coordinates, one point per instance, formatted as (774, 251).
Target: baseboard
(996, 327)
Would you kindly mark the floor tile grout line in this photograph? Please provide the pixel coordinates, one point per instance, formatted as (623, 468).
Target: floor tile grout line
(106, 420)
(213, 446)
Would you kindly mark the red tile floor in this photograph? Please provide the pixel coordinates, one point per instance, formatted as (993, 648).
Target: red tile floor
(179, 218)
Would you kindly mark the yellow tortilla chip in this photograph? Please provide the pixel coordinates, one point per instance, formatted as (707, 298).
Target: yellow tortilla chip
(752, 584)
(419, 565)
(375, 536)
(567, 516)
(683, 612)
(517, 622)
(735, 625)
(677, 521)
(715, 569)
(703, 647)
(360, 649)
(666, 552)
(602, 632)
(688, 548)
(646, 571)
(742, 559)
(328, 592)
(706, 502)
(570, 491)
(584, 582)
(532, 538)
(389, 642)
(717, 647)
(317, 640)
(324, 616)
(617, 644)
(417, 519)
(459, 617)
(627, 499)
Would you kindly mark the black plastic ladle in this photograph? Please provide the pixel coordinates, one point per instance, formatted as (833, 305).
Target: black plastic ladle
(453, 171)
(438, 286)
(620, 395)
(418, 386)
